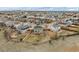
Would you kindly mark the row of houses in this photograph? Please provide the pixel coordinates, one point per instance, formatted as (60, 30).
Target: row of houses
(69, 21)
(23, 27)
(38, 22)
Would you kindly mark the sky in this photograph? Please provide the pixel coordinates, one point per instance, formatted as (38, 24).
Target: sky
(39, 5)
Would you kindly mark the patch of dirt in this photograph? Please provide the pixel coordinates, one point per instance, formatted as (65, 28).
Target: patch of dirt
(68, 44)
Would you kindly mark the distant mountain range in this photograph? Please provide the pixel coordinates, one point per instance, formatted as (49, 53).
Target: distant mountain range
(39, 8)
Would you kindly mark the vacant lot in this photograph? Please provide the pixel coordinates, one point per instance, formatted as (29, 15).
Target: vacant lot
(69, 44)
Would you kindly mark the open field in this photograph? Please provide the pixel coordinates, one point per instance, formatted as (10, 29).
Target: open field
(68, 44)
